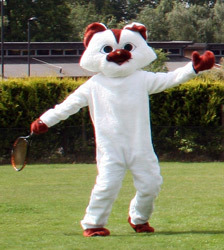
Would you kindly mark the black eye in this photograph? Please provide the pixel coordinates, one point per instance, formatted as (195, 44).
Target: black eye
(107, 49)
(128, 47)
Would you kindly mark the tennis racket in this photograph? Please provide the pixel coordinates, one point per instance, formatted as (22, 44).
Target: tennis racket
(217, 65)
(20, 152)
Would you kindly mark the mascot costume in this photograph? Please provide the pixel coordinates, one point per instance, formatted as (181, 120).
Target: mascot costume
(118, 101)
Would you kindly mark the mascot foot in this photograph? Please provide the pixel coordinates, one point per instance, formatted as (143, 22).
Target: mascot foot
(141, 228)
(91, 232)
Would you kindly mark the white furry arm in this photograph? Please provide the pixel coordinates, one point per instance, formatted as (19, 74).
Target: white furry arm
(158, 82)
(69, 106)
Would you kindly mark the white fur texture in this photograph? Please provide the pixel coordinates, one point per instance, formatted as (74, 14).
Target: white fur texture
(94, 59)
(118, 102)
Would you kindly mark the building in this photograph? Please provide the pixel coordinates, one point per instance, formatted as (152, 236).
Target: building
(61, 58)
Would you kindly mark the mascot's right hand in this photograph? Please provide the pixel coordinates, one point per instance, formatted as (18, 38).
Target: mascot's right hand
(38, 127)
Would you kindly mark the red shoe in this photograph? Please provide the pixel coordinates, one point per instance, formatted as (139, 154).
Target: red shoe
(141, 228)
(91, 232)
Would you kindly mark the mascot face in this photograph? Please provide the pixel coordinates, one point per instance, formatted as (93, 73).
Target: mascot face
(116, 52)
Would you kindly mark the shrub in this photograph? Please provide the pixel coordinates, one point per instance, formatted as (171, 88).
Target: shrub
(23, 100)
(196, 103)
(186, 120)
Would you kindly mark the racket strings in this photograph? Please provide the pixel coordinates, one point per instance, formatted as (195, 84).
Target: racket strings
(19, 153)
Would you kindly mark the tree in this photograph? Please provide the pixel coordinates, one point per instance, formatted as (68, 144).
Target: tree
(53, 20)
(190, 23)
(122, 10)
(133, 7)
(82, 15)
(65, 20)
(16, 27)
(208, 3)
(218, 21)
(155, 20)
(52, 25)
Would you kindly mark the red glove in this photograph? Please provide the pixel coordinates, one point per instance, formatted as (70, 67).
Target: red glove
(204, 62)
(38, 127)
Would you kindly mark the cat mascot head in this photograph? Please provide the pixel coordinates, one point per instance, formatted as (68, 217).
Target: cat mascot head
(116, 52)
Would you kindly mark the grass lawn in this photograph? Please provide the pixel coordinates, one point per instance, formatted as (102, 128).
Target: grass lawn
(41, 208)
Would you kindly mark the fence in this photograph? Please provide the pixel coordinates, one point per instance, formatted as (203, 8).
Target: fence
(77, 144)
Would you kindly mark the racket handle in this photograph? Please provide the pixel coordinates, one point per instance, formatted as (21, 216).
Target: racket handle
(38, 127)
(217, 65)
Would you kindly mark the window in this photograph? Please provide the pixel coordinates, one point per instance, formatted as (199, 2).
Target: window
(174, 51)
(42, 52)
(56, 52)
(25, 52)
(216, 52)
(14, 52)
(70, 52)
(81, 51)
(1, 52)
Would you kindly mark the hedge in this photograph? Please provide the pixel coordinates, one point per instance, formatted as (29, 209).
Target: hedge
(23, 100)
(195, 105)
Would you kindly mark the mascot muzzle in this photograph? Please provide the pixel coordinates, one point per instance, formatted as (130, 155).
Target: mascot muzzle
(119, 56)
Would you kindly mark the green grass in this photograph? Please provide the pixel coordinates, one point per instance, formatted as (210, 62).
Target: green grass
(41, 208)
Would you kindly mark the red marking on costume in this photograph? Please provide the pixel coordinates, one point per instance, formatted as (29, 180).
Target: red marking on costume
(138, 28)
(119, 56)
(117, 34)
(91, 30)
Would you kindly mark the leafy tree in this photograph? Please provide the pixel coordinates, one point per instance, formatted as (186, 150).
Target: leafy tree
(82, 15)
(52, 25)
(65, 20)
(218, 21)
(190, 23)
(133, 7)
(198, 2)
(111, 8)
(16, 28)
(53, 20)
(155, 20)
(122, 10)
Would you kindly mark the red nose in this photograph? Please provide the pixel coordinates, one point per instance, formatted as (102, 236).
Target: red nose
(119, 56)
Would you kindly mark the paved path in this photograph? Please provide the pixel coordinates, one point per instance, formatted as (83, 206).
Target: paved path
(15, 69)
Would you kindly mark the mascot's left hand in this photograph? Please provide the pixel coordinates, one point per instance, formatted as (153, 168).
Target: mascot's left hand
(38, 127)
(203, 62)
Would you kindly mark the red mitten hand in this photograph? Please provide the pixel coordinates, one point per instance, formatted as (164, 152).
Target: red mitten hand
(204, 62)
(38, 127)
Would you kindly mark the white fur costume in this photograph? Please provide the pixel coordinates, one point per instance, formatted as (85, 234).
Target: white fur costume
(118, 101)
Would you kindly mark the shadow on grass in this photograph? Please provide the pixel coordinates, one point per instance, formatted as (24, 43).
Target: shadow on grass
(155, 234)
(189, 232)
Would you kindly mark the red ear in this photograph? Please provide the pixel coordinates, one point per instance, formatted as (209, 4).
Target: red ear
(91, 30)
(137, 27)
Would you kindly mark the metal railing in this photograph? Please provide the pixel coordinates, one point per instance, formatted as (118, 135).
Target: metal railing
(77, 144)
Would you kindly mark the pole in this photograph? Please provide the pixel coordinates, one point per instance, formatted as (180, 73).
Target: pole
(28, 38)
(2, 36)
(222, 114)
